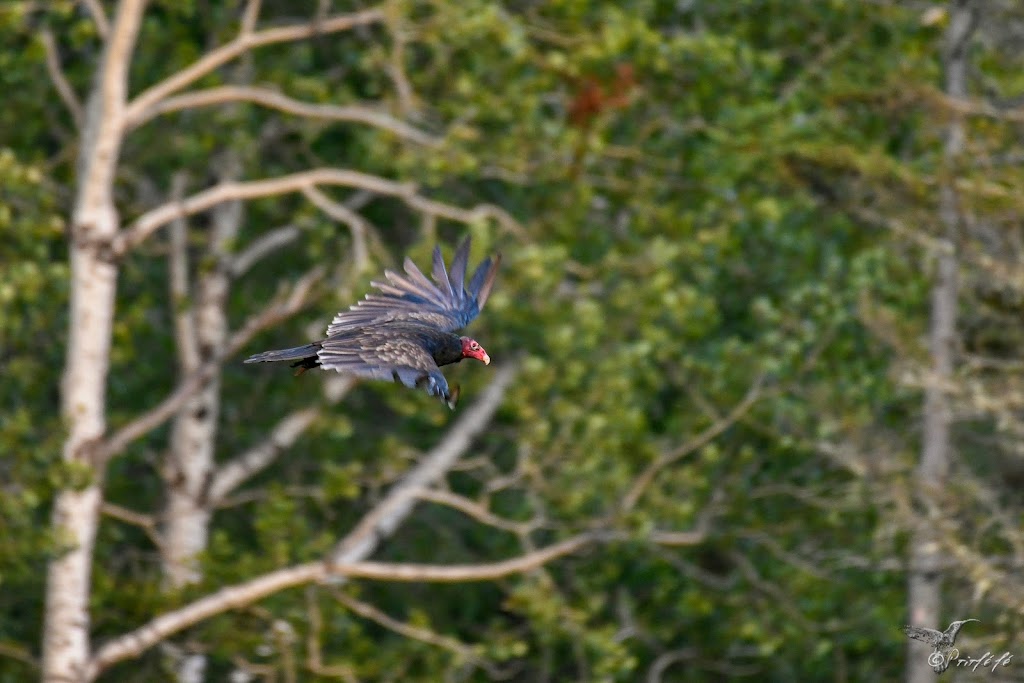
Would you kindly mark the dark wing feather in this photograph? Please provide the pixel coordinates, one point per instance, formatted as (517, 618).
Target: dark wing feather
(385, 352)
(445, 304)
(483, 279)
(925, 635)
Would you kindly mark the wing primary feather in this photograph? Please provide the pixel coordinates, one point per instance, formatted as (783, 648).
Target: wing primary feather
(483, 279)
(441, 274)
(416, 276)
(457, 274)
(407, 286)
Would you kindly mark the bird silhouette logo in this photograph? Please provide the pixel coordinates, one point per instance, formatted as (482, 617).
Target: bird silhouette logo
(942, 642)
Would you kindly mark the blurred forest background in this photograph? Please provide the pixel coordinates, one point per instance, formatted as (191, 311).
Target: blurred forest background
(757, 397)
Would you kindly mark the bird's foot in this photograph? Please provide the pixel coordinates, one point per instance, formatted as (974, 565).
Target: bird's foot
(452, 399)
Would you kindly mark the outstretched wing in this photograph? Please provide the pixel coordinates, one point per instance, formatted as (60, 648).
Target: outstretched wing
(447, 304)
(386, 353)
(925, 635)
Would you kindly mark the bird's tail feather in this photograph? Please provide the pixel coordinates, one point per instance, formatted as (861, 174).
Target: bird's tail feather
(296, 353)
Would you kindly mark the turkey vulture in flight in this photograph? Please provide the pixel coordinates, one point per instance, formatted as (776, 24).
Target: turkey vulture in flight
(406, 331)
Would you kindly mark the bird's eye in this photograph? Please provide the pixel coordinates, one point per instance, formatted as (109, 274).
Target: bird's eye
(474, 346)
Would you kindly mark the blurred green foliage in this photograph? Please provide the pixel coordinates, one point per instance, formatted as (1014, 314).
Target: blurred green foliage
(681, 246)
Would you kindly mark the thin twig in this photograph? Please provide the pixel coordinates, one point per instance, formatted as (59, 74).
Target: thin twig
(693, 444)
(270, 99)
(476, 511)
(154, 219)
(230, 475)
(244, 42)
(99, 17)
(145, 522)
(396, 506)
(60, 81)
(275, 312)
(136, 642)
(250, 16)
(262, 247)
(357, 225)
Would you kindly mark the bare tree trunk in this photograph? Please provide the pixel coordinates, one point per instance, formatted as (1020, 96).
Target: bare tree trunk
(925, 580)
(190, 466)
(94, 224)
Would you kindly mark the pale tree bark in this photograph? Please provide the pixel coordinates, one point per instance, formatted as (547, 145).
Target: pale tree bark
(196, 485)
(201, 330)
(94, 224)
(924, 598)
(357, 545)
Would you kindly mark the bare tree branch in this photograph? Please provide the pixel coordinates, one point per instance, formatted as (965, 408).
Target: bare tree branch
(368, 611)
(60, 81)
(145, 522)
(285, 433)
(156, 416)
(396, 70)
(396, 506)
(19, 653)
(270, 99)
(99, 17)
(924, 580)
(151, 221)
(262, 247)
(695, 443)
(362, 541)
(314, 653)
(250, 16)
(277, 311)
(357, 225)
(245, 41)
(182, 310)
(235, 472)
(233, 597)
(477, 511)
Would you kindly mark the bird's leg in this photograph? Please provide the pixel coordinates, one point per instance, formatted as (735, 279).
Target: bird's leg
(452, 399)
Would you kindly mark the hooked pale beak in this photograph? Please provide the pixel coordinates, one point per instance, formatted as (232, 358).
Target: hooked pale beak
(486, 359)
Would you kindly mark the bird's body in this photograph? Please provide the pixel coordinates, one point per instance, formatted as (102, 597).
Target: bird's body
(406, 332)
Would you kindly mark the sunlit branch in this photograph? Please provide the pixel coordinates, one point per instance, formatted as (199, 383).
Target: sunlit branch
(396, 506)
(145, 522)
(263, 246)
(151, 221)
(233, 597)
(60, 81)
(270, 99)
(275, 312)
(357, 225)
(245, 41)
(478, 512)
(99, 17)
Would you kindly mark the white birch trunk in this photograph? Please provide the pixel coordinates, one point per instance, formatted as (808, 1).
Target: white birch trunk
(191, 463)
(202, 331)
(94, 223)
(924, 586)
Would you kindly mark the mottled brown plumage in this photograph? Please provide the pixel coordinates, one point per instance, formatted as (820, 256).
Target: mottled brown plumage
(405, 332)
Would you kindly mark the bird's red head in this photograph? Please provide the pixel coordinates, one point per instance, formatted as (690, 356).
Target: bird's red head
(472, 349)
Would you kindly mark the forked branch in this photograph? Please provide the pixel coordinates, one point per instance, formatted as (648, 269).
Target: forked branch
(245, 41)
(271, 99)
